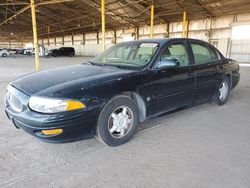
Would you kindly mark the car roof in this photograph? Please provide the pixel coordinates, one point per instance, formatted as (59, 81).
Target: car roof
(163, 41)
(155, 40)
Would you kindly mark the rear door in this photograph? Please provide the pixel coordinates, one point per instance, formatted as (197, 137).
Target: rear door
(63, 51)
(208, 70)
(68, 51)
(173, 88)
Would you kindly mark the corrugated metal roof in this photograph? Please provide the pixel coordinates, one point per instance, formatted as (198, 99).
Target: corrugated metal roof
(79, 16)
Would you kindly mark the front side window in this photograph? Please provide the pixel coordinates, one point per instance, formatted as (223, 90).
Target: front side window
(203, 54)
(128, 55)
(177, 51)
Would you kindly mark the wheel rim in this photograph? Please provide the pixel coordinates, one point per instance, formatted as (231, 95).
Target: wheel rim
(223, 91)
(120, 122)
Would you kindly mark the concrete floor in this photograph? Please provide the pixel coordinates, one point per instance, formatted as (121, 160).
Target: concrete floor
(200, 147)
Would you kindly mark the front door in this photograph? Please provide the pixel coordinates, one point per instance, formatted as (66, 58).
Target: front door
(172, 88)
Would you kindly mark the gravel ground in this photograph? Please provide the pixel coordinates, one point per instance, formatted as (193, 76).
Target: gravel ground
(200, 147)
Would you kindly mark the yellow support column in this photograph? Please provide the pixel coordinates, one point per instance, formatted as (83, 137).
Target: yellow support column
(184, 25)
(152, 21)
(103, 25)
(33, 13)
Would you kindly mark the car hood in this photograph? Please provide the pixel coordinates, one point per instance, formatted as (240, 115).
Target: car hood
(84, 73)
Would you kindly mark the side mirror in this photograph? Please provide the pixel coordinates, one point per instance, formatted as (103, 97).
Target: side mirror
(168, 63)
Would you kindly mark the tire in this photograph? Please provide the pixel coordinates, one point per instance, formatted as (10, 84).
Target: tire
(115, 125)
(4, 55)
(29, 54)
(71, 55)
(223, 92)
(54, 55)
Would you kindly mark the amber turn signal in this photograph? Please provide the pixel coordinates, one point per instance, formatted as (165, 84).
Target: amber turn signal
(73, 105)
(52, 132)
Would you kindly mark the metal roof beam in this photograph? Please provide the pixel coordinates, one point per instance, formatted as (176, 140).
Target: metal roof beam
(110, 13)
(28, 6)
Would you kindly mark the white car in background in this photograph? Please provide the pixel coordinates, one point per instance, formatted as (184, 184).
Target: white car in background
(4, 53)
(29, 52)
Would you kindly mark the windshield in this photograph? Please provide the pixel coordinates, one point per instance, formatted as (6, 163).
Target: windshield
(127, 55)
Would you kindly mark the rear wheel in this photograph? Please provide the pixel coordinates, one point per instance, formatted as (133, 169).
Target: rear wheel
(4, 55)
(117, 121)
(71, 54)
(223, 91)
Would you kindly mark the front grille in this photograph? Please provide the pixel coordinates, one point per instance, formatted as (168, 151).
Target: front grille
(14, 102)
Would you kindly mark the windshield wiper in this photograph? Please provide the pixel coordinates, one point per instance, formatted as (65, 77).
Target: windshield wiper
(97, 64)
(102, 64)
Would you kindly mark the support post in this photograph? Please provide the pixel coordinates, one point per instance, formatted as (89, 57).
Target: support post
(48, 33)
(152, 21)
(97, 37)
(185, 25)
(137, 33)
(210, 30)
(166, 34)
(168, 30)
(103, 25)
(83, 38)
(33, 13)
(115, 36)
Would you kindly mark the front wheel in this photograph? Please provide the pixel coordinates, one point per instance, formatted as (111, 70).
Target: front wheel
(117, 121)
(4, 55)
(54, 54)
(223, 91)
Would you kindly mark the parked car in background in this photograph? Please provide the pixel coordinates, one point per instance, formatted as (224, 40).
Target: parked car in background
(4, 53)
(29, 52)
(12, 51)
(20, 51)
(127, 84)
(63, 51)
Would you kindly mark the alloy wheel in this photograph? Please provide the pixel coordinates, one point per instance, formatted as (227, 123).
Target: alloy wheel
(120, 122)
(223, 90)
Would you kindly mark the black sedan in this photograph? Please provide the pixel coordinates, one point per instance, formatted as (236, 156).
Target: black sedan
(127, 84)
(63, 51)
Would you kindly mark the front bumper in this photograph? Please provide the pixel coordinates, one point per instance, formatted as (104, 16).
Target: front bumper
(76, 125)
(74, 128)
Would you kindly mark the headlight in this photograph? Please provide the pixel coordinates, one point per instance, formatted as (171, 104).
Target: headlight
(48, 105)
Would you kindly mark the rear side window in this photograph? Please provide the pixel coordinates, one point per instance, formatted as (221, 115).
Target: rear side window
(69, 49)
(203, 54)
